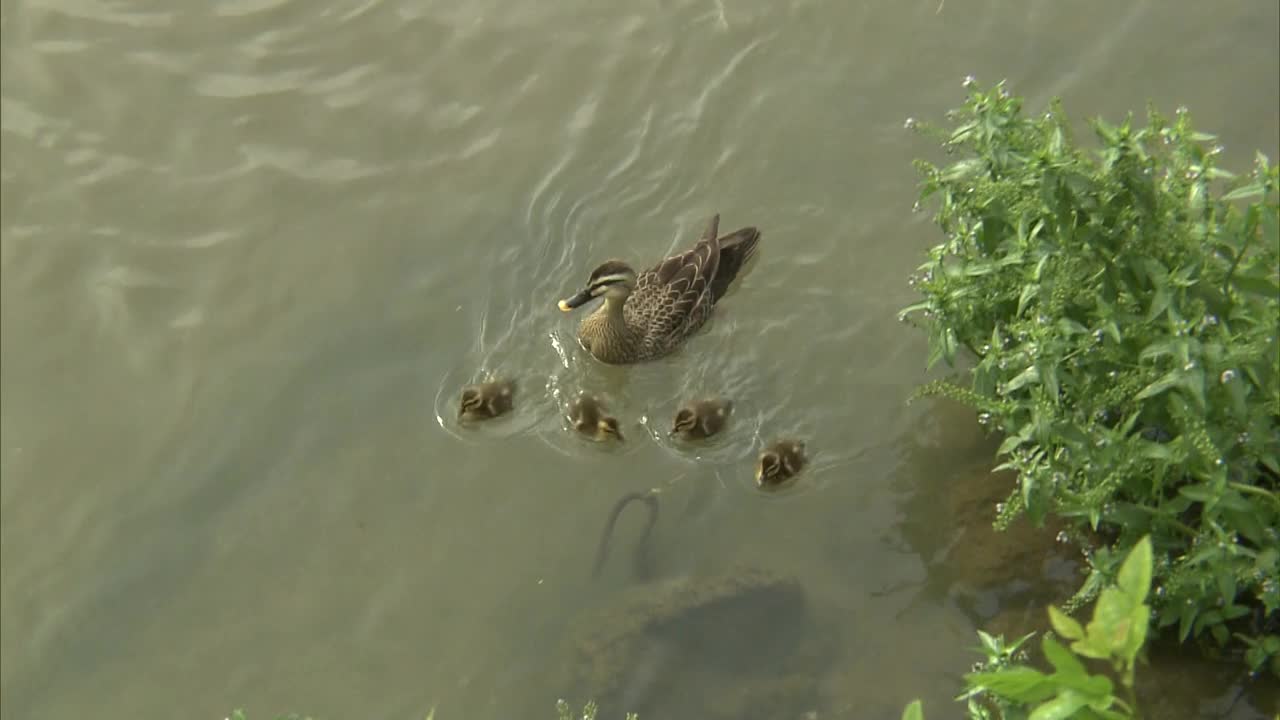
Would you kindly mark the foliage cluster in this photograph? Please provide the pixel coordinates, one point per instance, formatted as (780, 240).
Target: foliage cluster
(1121, 305)
(1002, 687)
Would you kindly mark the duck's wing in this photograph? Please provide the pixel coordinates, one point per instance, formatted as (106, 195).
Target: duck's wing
(682, 283)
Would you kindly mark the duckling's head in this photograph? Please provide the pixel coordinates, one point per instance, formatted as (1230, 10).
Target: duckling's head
(486, 400)
(780, 462)
(607, 428)
(588, 416)
(613, 279)
(701, 419)
(685, 421)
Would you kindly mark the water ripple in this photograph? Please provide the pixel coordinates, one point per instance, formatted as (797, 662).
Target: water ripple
(305, 165)
(111, 13)
(237, 86)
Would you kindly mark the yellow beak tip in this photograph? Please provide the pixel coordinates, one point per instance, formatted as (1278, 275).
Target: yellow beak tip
(564, 306)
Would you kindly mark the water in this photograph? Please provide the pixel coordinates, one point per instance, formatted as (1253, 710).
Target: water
(251, 250)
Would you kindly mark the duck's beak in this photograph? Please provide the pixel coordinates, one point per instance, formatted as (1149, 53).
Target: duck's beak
(581, 298)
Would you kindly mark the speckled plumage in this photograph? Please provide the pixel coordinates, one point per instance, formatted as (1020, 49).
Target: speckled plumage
(667, 303)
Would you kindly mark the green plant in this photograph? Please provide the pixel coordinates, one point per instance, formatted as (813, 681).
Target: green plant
(1004, 688)
(1121, 309)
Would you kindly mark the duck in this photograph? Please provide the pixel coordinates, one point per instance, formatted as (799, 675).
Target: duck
(649, 314)
(587, 415)
(779, 462)
(486, 400)
(700, 419)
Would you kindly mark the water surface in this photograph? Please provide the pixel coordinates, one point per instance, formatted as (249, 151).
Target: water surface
(252, 248)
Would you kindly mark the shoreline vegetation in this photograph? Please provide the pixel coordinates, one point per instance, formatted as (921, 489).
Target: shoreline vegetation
(1115, 309)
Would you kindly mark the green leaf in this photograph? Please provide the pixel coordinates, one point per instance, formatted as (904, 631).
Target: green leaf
(1097, 688)
(1154, 450)
(1139, 623)
(1135, 573)
(1193, 381)
(1186, 621)
(1028, 294)
(1159, 303)
(1200, 492)
(1169, 380)
(1267, 561)
(1062, 661)
(1049, 374)
(1060, 708)
(914, 711)
(1108, 631)
(1009, 444)
(1021, 684)
(1243, 193)
(963, 169)
(1092, 646)
(1065, 625)
(990, 645)
(1026, 377)
(1225, 579)
(1071, 327)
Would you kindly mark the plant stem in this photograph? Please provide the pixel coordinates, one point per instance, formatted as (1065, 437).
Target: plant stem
(1187, 529)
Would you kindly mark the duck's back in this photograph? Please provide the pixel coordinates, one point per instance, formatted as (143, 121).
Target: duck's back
(674, 299)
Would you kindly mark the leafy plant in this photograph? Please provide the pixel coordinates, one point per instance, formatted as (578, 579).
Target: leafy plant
(1121, 308)
(1004, 688)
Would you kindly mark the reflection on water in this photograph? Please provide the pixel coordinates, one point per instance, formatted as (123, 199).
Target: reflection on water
(252, 251)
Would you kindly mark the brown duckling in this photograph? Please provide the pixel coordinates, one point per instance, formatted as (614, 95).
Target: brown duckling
(487, 400)
(780, 462)
(588, 416)
(701, 419)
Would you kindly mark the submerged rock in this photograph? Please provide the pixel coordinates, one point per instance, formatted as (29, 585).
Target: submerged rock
(737, 645)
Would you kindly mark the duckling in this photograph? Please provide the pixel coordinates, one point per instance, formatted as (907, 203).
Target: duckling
(487, 400)
(780, 462)
(588, 416)
(701, 419)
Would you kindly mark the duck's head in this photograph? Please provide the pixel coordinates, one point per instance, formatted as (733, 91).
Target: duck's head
(613, 279)
(780, 462)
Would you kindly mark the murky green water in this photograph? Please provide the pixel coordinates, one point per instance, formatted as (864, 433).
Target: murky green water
(251, 249)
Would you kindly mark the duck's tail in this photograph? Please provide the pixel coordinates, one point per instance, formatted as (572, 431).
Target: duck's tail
(736, 249)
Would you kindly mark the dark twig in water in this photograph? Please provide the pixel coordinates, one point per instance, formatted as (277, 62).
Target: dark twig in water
(650, 498)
